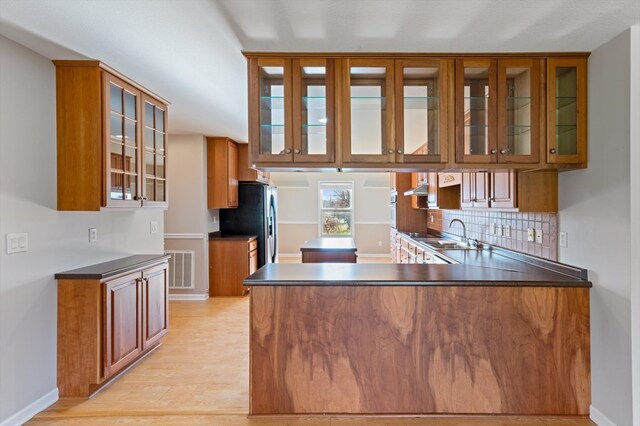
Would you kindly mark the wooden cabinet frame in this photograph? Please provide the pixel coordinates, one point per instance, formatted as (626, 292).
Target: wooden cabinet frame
(146, 199)
(388, 150)
(445, 82)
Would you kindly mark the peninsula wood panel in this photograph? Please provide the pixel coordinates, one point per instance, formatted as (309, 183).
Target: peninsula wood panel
(419, 349)
(328, 256)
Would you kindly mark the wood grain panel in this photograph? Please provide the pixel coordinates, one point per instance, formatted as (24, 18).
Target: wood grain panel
(222, 173)
(320, 256)
(408, 219)
(409, 350)
(156, 296)
(229, 264)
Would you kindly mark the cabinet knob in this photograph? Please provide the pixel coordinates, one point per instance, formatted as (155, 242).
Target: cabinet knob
(552, 151)
(287, 151)
(390, 151)
(399, 151)
(494, 151)
(504, 151)
(296, 151)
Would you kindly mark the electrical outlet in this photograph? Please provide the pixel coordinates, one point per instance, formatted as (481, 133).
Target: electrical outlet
(93, 235)
(531, 235)
(500, 230)
(539, 236)
(17, 243)
(379, 243)
(492, 228)
(507, 231)
(431, 219)
(563, 239)
(154, 227)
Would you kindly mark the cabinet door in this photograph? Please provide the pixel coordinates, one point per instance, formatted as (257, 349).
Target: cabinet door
(313, 110)
(253, 266)
(481, 190)
(270, 110)
(518, 110)
(567, 110)
(476, 111)
(422, 87)
(367, 119)
(123, 321)
(232, 173)
(122, 147)
(467, 188)
(432, 199)
(418, 201)
(503, 190)
(155, 304)
(154, 136)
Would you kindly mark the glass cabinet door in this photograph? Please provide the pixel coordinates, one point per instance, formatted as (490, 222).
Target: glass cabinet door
(566, 110)
(476, 108)
(313, 110)
(519, 110)
(421, 110)
(155, 152)
(270, 129)
(368, 102)
(123, 148)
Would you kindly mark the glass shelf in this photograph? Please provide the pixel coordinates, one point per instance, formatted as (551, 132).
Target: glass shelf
(314, 102)
(314, 129)
(563, 101)
(565, 128)
(274, 129)
(421, 102)
(272, 102)
(368, 102)
(517, 102)
(515, 130)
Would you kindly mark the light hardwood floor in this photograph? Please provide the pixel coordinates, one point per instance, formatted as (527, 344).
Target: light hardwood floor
(200, 377)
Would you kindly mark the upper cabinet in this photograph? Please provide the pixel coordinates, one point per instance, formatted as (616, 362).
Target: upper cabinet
(111, 140)
(567, 110)
(222, 173)
(422, 105)
(367, 115)
(417, 112)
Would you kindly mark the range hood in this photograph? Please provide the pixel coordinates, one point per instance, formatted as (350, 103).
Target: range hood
(418, 190)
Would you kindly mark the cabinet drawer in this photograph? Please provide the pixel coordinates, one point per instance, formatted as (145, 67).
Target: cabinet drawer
(253, 245)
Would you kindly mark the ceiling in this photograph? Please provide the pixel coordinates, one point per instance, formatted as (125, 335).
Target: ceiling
(189, 51)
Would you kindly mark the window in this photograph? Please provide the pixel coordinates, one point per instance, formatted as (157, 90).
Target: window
(336, 209)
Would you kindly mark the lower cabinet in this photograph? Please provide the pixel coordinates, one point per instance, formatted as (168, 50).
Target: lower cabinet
(104, 325)
(231, 260)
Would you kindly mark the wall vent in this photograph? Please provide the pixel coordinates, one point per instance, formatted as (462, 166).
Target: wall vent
(181, 268)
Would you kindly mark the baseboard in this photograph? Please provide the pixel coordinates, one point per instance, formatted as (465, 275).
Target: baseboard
(203, 296)
(598, 418)
(22, 416)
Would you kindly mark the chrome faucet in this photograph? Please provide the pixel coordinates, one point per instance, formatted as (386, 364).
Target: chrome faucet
(464, 230)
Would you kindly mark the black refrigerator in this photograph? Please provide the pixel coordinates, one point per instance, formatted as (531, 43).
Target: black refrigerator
(256, 215)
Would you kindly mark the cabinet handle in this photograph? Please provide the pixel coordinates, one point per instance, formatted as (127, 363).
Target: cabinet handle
(296, 151)
(390, 151)
(399, 151)
(287, 151)
(137, 198)
(552, 151)
(492, 199)
(504, 151)
(494, 151)
(144, 198)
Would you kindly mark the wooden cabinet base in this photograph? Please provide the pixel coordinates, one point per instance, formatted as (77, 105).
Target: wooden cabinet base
(419, 350)
(309, 256)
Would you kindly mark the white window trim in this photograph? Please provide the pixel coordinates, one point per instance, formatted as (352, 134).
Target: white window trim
(329, 183)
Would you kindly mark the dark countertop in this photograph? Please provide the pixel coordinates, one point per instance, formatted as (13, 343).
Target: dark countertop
(112, 268)
(218, 236)
(330, 244)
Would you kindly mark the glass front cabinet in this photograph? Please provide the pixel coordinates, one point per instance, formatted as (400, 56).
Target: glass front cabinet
(291, 110)
(567, 110)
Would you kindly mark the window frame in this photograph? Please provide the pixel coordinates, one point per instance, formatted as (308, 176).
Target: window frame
(336, 184)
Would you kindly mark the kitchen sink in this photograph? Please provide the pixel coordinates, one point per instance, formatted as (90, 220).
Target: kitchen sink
(440, 244)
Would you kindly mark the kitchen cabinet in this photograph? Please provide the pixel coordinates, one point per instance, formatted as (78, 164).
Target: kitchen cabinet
(222, 173)
(535, 191)
(246, 173)
(567, 111)
(367, 118)
(439, 197)
(111, 140)
(231, 260)
(422, 109)
(291, 104)
(474, 190)
(498, 110)
(109, 316)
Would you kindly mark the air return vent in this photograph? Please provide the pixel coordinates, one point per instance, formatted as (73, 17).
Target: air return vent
(181, 268)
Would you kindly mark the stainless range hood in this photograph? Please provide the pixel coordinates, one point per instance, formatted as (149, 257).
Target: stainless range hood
(419, 190)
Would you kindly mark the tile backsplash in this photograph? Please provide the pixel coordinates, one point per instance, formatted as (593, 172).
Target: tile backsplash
(478, 225)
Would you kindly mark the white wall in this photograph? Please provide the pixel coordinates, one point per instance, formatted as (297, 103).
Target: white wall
(595, 210)
(187, 221)
(298, 211)
(58, 241)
